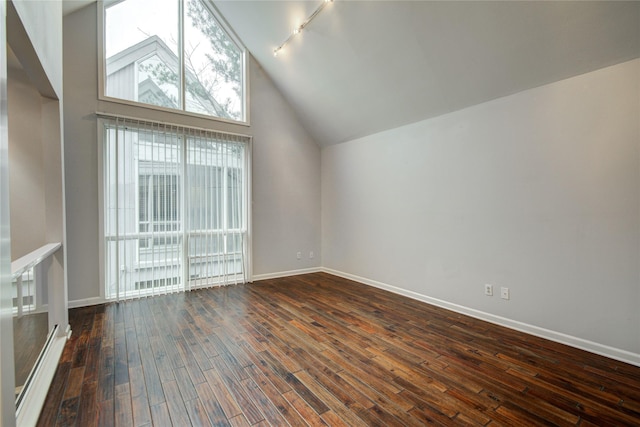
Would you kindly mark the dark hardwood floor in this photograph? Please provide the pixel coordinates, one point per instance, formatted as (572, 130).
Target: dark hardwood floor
(29, 337)
(321, 350)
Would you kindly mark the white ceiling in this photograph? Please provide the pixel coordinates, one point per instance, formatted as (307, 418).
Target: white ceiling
(366, 66)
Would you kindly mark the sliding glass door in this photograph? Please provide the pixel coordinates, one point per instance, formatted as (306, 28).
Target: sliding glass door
(174, 208)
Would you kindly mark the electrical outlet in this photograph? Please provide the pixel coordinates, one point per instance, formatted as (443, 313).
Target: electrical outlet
(488, 290)
(504, 293)
(311, 254)
(299, 255)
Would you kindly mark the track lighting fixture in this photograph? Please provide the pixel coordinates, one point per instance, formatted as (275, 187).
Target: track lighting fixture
(298, 29)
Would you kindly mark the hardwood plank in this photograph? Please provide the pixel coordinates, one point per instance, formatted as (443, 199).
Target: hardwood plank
(74, 383)
(281, 404)
(163, 365)
(264, 405)
(317, 404)
(152, 380)
(308, 415)
(238, 392)
(224, 353)
(197, 413)
(160, 415)
(223, 396)
(260, 363)
(106, 413)
(92, 365)
(175, 404)
(190, 362)
(231, 345)
(69, 348)
(362, 379)
(213, 409)
(132, 349)
(332, 419)
(239, 421)
(51, 407)
(79, 355)
(68, 412)
(121, 371)
(330, 402)
(187, 389)
(106, 387)
(139, 401)
(122, 406)
(89, 408)
(197, 350)
(339, 388)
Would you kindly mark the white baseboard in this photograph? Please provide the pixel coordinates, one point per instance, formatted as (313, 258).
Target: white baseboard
(258, 277)
(593, 347)
(86, 302)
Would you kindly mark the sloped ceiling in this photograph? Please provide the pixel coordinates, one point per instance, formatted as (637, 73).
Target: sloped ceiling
(366, 66)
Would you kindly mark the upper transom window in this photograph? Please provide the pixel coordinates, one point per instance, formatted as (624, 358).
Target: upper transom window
(173, 54)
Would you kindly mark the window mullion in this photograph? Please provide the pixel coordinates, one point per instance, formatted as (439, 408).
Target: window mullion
(184, 207)
(117, 211)
(183, 93)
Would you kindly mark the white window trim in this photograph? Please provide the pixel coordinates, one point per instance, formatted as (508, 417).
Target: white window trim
(101, 172)
(246, 104)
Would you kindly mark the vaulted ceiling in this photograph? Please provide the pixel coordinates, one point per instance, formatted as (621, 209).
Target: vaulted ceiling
(361, 67)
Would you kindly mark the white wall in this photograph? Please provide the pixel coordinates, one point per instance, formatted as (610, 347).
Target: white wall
(286, 166)
(34, 32)
(286, 183)
(26, 174)
(538, 192)
(41, 22)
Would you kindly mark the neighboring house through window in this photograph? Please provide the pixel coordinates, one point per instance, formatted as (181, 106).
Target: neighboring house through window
(149, 60)
(158, 206)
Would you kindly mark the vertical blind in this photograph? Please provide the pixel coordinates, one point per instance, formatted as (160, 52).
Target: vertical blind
(174, 208)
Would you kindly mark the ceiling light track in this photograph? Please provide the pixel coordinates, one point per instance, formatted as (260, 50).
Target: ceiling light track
(297, 30)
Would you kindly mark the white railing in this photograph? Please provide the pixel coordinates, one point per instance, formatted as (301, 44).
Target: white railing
(28, 263)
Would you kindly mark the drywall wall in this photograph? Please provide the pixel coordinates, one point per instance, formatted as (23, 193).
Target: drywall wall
(286, 183)
(26, 171)
(538, 192)
(34, 30)
(286, 166)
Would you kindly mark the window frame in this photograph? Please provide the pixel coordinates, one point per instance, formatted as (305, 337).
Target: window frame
(219, 19)
(103, 122)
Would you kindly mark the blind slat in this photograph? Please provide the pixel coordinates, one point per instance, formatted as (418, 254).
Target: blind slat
(176, 196)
